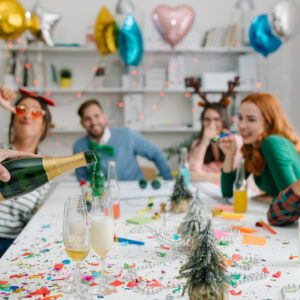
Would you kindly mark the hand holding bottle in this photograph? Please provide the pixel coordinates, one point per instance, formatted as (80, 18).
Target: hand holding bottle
(208, 134)
(6, 97)
(4, 154)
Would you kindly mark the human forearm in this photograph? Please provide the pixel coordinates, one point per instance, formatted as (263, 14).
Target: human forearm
(228, 163)
(285, 208)
(204, 176)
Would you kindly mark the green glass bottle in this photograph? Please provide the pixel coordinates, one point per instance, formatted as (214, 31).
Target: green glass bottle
(30, 173)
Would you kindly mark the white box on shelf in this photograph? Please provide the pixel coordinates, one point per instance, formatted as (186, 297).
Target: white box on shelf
(216, 81)
(197, 110)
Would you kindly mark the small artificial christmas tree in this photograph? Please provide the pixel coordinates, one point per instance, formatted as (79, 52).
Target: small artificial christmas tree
(194, 222)
(181, 196)
(205, 270)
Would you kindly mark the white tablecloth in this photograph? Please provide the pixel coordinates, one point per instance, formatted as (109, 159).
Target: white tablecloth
(29, 263)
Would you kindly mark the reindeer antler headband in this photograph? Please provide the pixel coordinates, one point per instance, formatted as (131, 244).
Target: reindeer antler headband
(224, 101)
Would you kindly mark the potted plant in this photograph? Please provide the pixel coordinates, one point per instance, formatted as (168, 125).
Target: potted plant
(181, 196)
(65, 78)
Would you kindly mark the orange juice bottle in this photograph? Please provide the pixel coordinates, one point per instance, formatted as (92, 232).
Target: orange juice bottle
(240, 189)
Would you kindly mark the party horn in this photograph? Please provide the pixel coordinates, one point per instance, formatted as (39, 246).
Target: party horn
(220, 136)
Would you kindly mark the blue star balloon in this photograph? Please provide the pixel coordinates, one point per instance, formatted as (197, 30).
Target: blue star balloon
(131, 42)
(261, 37)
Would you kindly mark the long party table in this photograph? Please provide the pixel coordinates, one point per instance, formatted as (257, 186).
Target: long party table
(36, 265)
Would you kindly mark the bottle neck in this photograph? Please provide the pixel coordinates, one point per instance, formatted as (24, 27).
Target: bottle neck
(183, 159)
(56, 166)
(112, 175)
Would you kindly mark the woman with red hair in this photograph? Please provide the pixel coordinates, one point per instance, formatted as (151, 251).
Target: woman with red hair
(271, 152)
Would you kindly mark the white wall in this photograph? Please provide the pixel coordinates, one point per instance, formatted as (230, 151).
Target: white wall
(280, 69)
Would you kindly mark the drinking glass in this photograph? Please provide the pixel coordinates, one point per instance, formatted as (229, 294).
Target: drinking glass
(102, 235)
(76, 236)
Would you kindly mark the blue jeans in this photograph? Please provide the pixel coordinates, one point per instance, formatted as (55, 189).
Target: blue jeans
(4, 245)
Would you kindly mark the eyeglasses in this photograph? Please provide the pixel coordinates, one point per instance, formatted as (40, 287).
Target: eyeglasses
(35, 113)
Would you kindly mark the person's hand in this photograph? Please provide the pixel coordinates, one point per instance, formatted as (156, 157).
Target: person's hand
(6, 97)
(228, 144)
(208, 134)
(4, 154)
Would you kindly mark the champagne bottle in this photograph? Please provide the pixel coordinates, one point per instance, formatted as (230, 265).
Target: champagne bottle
(240, 189)
(30, 173)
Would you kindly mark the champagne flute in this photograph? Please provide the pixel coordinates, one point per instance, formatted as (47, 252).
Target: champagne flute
(76, 235)
(102, 235)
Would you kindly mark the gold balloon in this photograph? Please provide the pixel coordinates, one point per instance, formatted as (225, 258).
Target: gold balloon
(111, 34)
(104, 22)
(12, 19)
(33, 23)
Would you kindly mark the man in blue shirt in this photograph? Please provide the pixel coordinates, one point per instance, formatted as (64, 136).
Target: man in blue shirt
(126, 142)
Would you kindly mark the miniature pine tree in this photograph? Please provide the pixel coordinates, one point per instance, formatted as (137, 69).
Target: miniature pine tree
(205, 272)
(180, 191)
(194, 221)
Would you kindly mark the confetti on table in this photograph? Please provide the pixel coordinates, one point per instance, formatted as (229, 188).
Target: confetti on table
(234, 293)
(117, 283)
(293, 257)
(245, 229)
(265, 270)
(224, 207)
(140, 220)
(219, 234)
(131, 284)
(41, 291)
(254, 240)
(232, 216)
(155, 283)
(277, 274)
(58, 267)
(165, 248)
(236, 257)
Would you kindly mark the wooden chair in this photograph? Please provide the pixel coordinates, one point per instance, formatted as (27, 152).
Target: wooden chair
(149, 172)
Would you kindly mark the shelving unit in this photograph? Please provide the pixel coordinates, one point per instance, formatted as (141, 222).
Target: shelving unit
(166, 115)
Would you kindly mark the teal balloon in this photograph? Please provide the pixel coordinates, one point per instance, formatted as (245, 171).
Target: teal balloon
(261, 37)
(131, 42)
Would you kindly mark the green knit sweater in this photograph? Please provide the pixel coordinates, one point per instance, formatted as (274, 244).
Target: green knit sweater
(282, 169)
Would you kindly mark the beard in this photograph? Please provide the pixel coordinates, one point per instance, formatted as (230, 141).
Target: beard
(96, 136)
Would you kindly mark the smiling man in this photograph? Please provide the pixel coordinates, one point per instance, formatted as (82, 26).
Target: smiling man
(127, 144)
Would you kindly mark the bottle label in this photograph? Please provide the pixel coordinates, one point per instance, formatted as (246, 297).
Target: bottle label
(1, 197)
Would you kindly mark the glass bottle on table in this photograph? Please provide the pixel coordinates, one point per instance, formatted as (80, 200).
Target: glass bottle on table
(102, 237)
(76, 237)
(240, 189)
(184, 165)
(113, 188)
(30, 173)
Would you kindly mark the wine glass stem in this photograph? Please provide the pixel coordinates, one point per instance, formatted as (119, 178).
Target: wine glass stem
(77, 278)
(102, 269)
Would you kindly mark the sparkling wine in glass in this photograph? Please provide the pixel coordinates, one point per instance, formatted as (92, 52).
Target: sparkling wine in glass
(76, 236)
(102, 235)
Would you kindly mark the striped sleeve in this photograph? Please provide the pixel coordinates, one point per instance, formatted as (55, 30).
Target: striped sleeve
(284, 208)
(16, 213)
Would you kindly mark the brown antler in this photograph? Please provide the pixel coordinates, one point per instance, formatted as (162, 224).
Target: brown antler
(191, 82)
(230, 92)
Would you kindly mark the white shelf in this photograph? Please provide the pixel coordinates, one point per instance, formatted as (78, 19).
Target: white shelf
(161, 129)
(119, 90)
(93, 49)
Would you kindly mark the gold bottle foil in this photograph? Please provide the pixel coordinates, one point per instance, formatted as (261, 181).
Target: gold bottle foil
(55, 166)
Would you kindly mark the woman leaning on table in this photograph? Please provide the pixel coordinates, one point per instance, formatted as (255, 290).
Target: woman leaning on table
(29, 125)
(271, 151)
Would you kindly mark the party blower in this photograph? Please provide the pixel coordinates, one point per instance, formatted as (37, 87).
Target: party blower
(220, 136)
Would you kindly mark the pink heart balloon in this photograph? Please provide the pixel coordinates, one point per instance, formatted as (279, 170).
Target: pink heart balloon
(173, 23)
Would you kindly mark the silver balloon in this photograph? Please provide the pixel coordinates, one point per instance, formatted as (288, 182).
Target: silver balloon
(285, 18)
(47, 23)
(125, 7)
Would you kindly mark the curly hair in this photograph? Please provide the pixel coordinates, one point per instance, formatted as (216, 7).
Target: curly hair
(276, 124)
